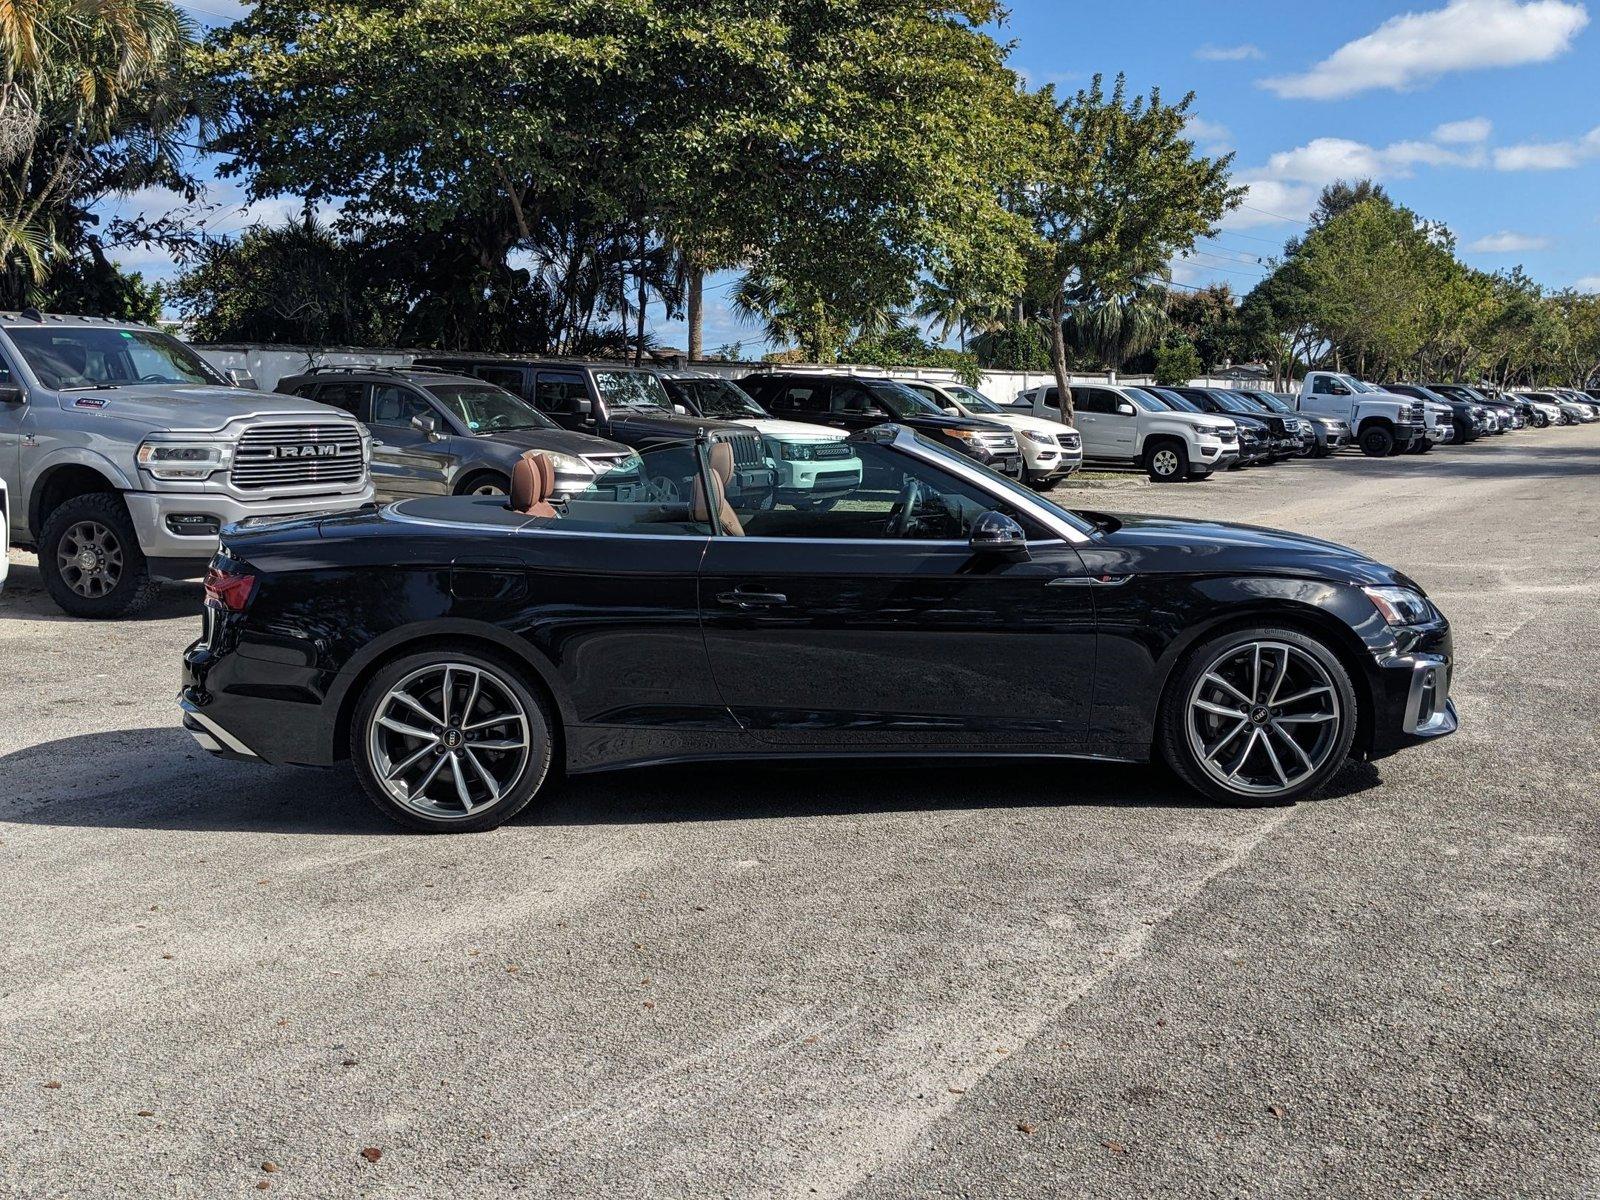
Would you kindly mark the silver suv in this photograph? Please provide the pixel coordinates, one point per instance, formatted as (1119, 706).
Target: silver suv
(125, 453)
(437, 433)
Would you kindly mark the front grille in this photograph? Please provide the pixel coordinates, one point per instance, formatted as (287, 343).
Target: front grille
(1415, 414)
(998, 443)
(1227, 435)
(832, 478)
(746, 449)
(1069, 441)
(284, 456)
(828, 451)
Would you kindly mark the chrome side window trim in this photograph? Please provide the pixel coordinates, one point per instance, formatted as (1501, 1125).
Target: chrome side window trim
(908, 444)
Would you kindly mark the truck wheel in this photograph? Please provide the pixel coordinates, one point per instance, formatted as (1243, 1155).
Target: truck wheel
(1421, 446)
(1377, 441)
(90, 558)
(1167, 462)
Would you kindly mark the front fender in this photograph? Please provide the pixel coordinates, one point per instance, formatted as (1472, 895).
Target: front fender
(36, 474)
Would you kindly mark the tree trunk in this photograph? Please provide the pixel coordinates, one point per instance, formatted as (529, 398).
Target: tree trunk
(697, 284)
(1058, 353)
(638, 346)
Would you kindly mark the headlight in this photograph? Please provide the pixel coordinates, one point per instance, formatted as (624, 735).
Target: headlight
(1041, 439)
(184, 460)
(1399, 605)
(568, 464)
(965, 435)
(796, 451)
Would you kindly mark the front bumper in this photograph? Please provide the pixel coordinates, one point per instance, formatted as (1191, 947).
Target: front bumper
(1411, 692)
(159, 516)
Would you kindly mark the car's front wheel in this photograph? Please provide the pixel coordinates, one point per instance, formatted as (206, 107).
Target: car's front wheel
(450, 740)
(90, 559)
(1167, 462)
(1261, 716)
(1377, 441)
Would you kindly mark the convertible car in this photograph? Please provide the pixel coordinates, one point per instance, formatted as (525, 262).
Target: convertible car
(463, 653)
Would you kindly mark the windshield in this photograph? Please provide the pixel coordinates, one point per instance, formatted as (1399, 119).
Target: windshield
(1272, 402)
(632, 389)
(89, 358)
(486, 409)
(719, 398)
(902, 401)
(1230, 402)
(1361, 385)
(1145, 400)
(1172, 400)
(1002, 483)
(973, 399)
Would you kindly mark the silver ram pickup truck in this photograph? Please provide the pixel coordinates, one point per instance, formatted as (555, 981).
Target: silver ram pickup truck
(125, 453)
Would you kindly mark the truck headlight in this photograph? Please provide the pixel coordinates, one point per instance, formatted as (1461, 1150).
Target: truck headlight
(796, 451)
(184, 460)
(1400, 605)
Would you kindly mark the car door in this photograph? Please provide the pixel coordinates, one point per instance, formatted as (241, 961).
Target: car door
(13, 415)
(563, 396)
(796, 400)
(830, 630)
(1106, 432)
(405, 460)
(853, 408)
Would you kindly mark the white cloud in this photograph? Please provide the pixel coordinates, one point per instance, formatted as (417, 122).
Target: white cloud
(1508, 242)
(1549, 156)
(1271, 202)
(1589, 283)
(1322, 160)
(1416, 48)
(1461, 133)
(1243, 53)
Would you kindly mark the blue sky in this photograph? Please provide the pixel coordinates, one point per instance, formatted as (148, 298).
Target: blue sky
(1482, 114)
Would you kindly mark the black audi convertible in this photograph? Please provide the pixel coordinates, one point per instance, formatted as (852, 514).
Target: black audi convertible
(463, 652)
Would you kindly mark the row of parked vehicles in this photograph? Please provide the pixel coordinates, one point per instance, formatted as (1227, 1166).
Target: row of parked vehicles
(126, 453)
(581, 566)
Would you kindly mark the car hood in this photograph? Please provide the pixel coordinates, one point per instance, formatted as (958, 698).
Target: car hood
(1177, 545)
(562, 441)
(1036, 424)
(201, 408)
(632, 423)
(929, 421)
(790, 431)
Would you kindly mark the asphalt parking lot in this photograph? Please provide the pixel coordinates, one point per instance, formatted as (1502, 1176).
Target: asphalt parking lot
(996, 981)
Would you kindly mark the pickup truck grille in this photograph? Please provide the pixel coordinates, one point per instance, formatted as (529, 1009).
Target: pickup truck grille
(746, 449)
(1416, 414)
(828, 451)
(286, 456)
(1228, 436)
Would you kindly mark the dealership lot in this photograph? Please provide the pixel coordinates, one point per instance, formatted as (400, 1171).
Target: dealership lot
(987, 981)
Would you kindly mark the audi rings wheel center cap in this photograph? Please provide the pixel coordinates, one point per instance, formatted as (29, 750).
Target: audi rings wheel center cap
(452, 739)
(1259, 715)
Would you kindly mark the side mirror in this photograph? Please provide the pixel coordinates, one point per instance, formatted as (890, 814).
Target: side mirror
(680, 410)
(1338, 389)
(581, 408)
(10, 393)
(1124, 408)
(426, 423)
(240, 378)
(996, 533)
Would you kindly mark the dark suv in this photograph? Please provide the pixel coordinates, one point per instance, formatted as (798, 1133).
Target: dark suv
(616, 401)
(855, 402)
(439, 434)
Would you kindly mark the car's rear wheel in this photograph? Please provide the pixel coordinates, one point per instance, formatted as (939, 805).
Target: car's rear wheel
(1377, 441)
(488, 483)
(1167, 462)
(90, 559)
(1260, 716)
(450, 740)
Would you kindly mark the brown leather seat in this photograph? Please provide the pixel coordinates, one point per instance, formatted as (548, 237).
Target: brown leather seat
(533, 480)
(721, 472)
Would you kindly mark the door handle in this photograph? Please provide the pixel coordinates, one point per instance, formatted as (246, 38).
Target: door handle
(1089, 581)
(752, 599)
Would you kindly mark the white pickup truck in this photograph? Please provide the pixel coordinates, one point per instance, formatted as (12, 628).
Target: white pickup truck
(1127, 425)
(1382, 423)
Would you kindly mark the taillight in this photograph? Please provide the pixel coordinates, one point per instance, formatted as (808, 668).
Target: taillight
(229, 588)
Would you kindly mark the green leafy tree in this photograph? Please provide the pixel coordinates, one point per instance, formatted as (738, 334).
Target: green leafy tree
(1177, 362)
(1119, 191)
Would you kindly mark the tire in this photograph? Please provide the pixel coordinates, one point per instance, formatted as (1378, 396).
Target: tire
(1167, 461)
(1377, 441)
(485, 483)
(90, 559)
(1186, 729)
(1421, 446)
(820, 506)
(450, 793)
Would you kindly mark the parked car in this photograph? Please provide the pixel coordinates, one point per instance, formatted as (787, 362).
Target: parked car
(435, 433)
(1299, 427)
(1383, 423)
(125, 453)
(1506, 413)
(623, 404)
(815, 466)
(1051, 450)
(1254, 440)
(1281, 441)
(1580, 398)
(1331, 433)
(1470, 421)
(851, 403)
(1129, 427)
(5, 523)
(1572, 413)
(463, 652)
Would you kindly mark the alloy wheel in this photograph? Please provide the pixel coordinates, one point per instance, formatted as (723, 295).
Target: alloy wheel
(1164, 462)
(90, 559)
(488, 489)
(1263, 717)
(448, 739)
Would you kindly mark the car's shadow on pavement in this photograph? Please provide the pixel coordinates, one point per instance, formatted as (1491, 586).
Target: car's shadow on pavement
(157, 779)
(25, 596)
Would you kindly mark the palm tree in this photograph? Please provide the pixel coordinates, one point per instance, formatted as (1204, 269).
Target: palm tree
(1119, 327)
